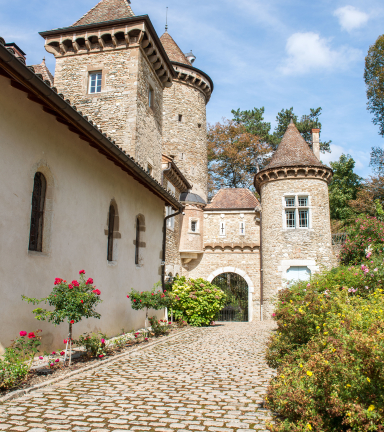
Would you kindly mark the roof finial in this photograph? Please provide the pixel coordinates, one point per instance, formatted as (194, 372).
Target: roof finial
(166, 21)
(291, 122)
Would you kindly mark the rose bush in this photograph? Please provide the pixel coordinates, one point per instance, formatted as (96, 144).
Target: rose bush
(94, 344)
(196, 301)
(17, 359)
(329, 351)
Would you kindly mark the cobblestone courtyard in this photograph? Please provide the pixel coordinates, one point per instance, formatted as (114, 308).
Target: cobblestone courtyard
(209, 379)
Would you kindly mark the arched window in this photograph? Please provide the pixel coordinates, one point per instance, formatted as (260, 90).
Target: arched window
(137, 243)
(37, 214)
(111, 228)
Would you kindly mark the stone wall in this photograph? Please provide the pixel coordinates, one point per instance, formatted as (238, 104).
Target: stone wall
(283, 248)
(192, 241)
(187, 139)
(121, 110)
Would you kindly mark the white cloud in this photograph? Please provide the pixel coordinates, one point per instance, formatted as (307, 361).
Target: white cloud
(309, 52)
(361, 158)
(351, 18)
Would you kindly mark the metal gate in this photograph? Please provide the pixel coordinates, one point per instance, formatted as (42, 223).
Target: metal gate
(236, 288)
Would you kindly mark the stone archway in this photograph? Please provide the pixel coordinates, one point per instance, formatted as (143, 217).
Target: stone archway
(243, 274)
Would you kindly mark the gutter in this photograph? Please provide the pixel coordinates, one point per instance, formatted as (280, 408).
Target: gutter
(19, 72)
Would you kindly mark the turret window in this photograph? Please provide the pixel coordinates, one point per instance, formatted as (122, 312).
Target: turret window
(194, 226)
(151, 97)
(95, 79)
(297, 211)
(242, 228)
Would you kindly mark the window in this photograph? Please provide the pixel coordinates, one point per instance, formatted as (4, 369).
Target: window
(298, 274)
(95, 82)
(37, 213)
(151, 97)
(111, 228)
(149, 169)
(170, 221)
(180, 117)
(242, 228)
(137, 243)
(194, 226)
(222, 228)
(199, 125)
(297, 212)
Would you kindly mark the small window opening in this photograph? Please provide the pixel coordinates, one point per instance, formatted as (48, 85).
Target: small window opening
(242, 228)
(199, 125)
(149, 169)
(95, 82)
(37, 213)
(194, 226)
(222, 228)
(111, 226)
(180, 117)
(181, 156)
(137, 249)
(151, 97)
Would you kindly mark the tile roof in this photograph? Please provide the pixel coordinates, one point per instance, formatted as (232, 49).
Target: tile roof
(44, 71)
(293, 150)
(172, 49)
(236, 198)
(106, 10)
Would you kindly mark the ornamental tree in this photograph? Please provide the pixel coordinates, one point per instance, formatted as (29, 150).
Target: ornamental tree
(155, 299)
(71, 302)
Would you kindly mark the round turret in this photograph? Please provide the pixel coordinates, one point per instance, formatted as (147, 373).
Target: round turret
(296, 232)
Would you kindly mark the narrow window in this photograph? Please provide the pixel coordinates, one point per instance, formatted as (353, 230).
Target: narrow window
(194, 226)
(170, 221)
(37, 213)
(137, 249)
(222, 228)
(95, 82)
(149, 169)
(111, 226)
(180, 117)
(242, 228)
(290, 218)
(151, 97)
(303, 218)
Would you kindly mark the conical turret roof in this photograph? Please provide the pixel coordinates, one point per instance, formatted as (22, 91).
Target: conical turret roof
(172, 49)
(106, 10)
(293, 151)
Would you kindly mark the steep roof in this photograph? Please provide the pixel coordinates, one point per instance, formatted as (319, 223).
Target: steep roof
(293, 150)
(44, 71)
(106, 10)
(172, 49)
(236, 198)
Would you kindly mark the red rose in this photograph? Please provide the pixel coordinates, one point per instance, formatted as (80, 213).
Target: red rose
(70, 286)
(23, 333)
(53, 352)
(140, 301)
(57, 360)
(82, 301)
(31, 335)
(89, 281)
(82, 272)
(72, 322)
(75, 283)
(153, 294)
(65, 341)
(101, 355)
(134, 301)
(58, 281)
(165, 290)
(96, 291)
(127, 296)
(62, 353)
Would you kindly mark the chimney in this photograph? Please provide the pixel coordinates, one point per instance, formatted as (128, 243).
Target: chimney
(316, 142)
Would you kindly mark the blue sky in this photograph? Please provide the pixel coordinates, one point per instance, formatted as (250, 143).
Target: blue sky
(274, 53)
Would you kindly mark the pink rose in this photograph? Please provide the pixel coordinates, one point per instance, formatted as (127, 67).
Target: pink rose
(23, 333)
(127, 296)
(62, 353)
(102, 341)
(82, 272)
(146, 339)
(57, 360)
(53, 352)
(101, 355)
(41, 358)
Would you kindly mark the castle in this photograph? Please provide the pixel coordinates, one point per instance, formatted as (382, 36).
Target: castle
(141, 103)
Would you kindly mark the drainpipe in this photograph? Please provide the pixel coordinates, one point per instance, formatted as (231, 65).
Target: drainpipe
(261, 265)
(164, 245)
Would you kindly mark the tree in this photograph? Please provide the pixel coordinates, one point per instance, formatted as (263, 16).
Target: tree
(343, 188)
(254, 123)
(370, 197)
(374, 79)
(233, 154)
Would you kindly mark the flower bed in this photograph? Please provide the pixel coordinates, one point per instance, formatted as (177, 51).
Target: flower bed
(329, 351)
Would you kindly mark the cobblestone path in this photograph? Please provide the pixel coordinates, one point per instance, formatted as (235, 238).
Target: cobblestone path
(211, 379)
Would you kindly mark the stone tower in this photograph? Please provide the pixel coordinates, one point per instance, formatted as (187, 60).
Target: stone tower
(296, 232)
(184, 121)
(113, 67)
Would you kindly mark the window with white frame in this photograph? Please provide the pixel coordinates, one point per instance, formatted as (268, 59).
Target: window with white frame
(297, 211)
(194, 225)
(222, 229)
(242, 227)
(171, 221)
(95, 82)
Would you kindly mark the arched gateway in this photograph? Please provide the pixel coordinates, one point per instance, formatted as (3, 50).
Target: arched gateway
(239, 288)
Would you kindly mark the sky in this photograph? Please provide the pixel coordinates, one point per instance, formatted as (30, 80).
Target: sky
(276, 54)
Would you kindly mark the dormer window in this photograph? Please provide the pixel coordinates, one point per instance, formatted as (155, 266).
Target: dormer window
(95, 82)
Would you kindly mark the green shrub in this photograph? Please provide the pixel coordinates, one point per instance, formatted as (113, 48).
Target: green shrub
(196, 301)
(329, 350)
(18, 358)
(365, 236)
(159, 327)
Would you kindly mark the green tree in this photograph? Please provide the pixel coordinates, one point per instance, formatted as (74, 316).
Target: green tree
(344, 187)
(254, 123)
